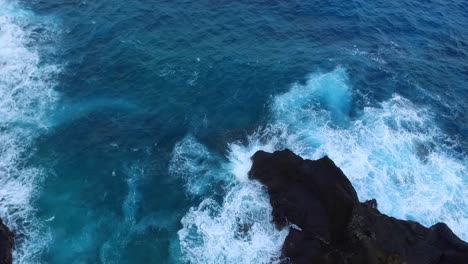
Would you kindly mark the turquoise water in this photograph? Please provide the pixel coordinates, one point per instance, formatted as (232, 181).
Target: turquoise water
(126, 128)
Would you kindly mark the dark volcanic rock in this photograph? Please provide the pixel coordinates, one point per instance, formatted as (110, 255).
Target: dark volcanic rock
(332, 226)
(6, 244)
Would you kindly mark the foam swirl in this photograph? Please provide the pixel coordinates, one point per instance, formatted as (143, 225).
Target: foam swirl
(26, 96)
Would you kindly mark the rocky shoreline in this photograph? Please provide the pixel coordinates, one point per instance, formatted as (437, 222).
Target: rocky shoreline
(330, 225)
(6, 244)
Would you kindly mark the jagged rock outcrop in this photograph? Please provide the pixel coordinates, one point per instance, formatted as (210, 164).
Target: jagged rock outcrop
(330, 225)
(6, 244)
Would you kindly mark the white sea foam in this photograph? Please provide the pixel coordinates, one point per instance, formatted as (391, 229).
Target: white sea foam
(194, 163)
(26, 95)
(240, 230)
(393, 151)
(239, 157)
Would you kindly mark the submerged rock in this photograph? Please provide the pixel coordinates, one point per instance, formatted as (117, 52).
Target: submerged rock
(332, 226)
(6, 244)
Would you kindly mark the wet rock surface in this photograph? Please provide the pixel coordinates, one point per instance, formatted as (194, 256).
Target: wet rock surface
(330, 225)
(6, 244)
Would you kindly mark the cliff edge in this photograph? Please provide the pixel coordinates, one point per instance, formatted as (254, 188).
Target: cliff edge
(330, 225)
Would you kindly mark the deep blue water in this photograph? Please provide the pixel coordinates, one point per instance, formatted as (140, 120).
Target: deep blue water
(126, 127)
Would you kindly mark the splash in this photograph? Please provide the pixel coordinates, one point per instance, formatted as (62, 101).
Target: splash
(26, 96)
(392, 151)
(324, 97)
(237, 229)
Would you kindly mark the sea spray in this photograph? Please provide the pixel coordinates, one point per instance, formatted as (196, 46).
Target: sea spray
(392, 151)
(237, 229)
(26, 96)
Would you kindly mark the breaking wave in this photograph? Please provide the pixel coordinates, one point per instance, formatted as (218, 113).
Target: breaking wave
(392, 151)
(26, 96)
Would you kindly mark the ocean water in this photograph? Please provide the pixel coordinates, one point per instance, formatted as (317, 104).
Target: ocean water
(126, 127)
